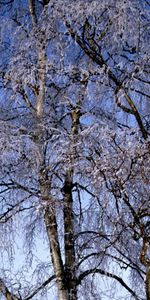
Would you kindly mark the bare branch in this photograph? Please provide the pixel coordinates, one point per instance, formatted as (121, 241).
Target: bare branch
(98, 58)
(32, 11)
(43, 285)
(107, 274)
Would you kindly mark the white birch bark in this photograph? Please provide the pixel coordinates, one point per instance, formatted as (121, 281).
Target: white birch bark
(49, 217)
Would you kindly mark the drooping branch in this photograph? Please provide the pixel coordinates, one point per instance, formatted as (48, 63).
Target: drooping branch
(136, 114)
(27, 101)
(122, 262)
(107, 274)
(14, 210)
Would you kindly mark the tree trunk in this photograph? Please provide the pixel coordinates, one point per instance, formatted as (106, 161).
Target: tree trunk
(6, 293)
(52, 232)
(44, 184)
(148, 284)
(69, 238)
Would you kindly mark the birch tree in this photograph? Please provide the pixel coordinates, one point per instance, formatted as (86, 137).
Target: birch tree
(75, 148)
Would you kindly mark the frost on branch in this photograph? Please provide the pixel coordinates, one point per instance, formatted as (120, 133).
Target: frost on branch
(74, 123)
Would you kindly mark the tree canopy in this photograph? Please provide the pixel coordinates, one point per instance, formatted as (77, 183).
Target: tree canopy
(74, 149)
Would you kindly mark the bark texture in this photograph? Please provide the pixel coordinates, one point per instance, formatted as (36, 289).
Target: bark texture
(148, 284)
(6, 293)
(69, 239)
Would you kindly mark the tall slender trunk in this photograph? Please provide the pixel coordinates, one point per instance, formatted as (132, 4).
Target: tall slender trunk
(69, 238)
(144, 258)
(70, 268)
(44, 184)
(52, 232)
(50, 214)
(65, 274)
